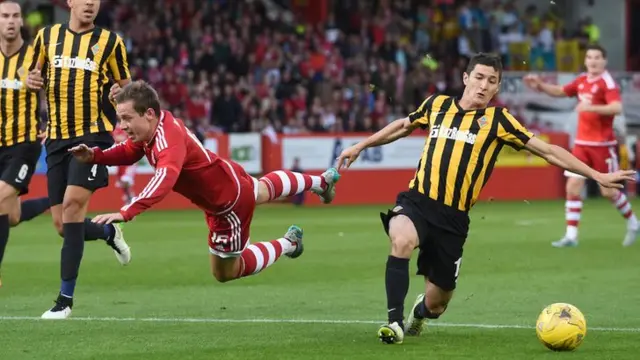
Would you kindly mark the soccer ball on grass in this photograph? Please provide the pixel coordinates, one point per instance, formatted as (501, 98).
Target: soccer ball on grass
(561, 327)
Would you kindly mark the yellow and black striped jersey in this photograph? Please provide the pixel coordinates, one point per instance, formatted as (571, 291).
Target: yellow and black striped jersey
(77, 67)
(461, 149)
(19, 107)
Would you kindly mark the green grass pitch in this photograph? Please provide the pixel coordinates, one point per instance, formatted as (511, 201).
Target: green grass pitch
(328, 303)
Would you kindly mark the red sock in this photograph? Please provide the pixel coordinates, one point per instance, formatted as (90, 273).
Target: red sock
(573, 210)
(621, 203)
(259, 256)
(284, 183)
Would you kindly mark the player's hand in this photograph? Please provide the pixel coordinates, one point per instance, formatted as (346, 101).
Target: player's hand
(114, 91)
(614, 179)
(35, 81)
(82, 153)
(108, 218)
(348, 156)
(532, 81)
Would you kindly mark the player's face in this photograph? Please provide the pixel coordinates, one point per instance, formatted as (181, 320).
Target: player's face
(594, 62)
(85, 11)
(482, 84)
(10, 21)
(138, 127)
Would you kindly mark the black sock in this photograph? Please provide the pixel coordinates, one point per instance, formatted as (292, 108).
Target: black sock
(397, 284)
(93, 231)
(71, 256)
(4, 234)
(32, 208)
(421, 311)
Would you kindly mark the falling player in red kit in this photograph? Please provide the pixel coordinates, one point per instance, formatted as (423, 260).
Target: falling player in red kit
(595, 142)
(221, 188)
(126, 174)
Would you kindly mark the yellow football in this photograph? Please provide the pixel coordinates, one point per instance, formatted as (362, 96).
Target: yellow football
(561, 327)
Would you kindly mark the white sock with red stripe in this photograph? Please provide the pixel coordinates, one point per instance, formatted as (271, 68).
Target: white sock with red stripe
(573, 210)
(284, 183)
(623, 205)
(259, 256)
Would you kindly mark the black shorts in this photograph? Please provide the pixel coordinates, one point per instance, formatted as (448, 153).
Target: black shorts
(18, 163)
(64, 170)
(442, 232)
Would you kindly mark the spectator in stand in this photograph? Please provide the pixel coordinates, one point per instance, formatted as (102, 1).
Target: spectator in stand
(227, 66)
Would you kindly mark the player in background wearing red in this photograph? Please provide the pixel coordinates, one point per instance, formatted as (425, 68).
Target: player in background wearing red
(595, 142)
(221, 188)
(126, 174)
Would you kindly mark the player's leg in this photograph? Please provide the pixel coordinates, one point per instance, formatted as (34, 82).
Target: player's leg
(404, 237)
(573, 210)
(284, 183)
(7, 192)
(82, 181)
(573, 204)
(24, 166)
(232, 265)
(233, 257)
(608, 162)
(28, 209)
(14, 181)
(439, 262)
(57, 175)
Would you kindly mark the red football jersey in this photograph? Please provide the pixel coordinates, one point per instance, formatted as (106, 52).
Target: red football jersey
(181, 164)
(594, 129)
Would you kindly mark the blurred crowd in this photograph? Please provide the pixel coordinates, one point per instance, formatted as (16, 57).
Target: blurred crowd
(230, 66)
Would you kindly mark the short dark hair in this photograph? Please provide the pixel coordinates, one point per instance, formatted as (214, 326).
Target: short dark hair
(598, 48)
(143, 96)
(485, 59)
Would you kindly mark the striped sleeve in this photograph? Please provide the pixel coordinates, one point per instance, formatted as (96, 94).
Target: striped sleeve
(118, 63)
(420, 117)
(511, 131)
(39, 51)
(170, 151)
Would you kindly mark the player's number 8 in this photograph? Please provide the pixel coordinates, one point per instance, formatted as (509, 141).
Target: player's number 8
(24, 170)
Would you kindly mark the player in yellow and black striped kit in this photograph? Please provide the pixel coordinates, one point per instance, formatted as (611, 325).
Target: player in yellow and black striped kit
(75, 63)
(20, 146)
(464, 138)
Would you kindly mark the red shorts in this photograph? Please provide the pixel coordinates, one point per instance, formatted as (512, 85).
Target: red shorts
(229, 231)
(601, 158)
(126, 174)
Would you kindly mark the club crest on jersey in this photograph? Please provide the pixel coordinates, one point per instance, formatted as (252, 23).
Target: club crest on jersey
(482, 121)
(95, 49)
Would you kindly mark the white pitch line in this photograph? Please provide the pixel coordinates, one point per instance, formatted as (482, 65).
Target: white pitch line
(297, 321)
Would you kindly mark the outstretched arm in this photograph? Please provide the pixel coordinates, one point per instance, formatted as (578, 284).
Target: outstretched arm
(124, 153)
(393, 131)
(511, 132)
(558, 156)
(535, 83)
(553, 90)
(168, 168)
